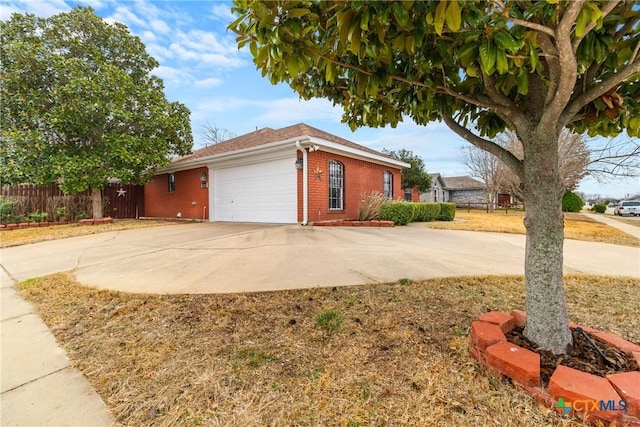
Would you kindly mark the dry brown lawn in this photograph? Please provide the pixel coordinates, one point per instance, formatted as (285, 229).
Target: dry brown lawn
(25, 236)
(576, 226)
(376, 355)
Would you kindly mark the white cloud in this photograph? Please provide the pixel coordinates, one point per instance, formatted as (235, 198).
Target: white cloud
(210, 82)
(222, 12)
(43, 9)
(173, 75)
(148, 37)
(160, 26)
(206, 41)
(126, 16)
(96, 4)
(293, 110)
(206, 48)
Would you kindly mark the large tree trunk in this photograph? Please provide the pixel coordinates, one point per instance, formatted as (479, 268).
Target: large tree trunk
(547, 319)
(96, 202)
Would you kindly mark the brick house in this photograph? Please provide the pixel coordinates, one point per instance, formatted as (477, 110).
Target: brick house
(297, 174)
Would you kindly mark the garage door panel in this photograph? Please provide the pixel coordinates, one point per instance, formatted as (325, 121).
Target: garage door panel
(258, 192)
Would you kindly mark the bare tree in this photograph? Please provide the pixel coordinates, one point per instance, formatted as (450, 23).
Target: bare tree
(573, 160)
(212, 134)
(487, 168)
(616, 158)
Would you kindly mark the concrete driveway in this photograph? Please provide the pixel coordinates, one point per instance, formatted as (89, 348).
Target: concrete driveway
(225, 257)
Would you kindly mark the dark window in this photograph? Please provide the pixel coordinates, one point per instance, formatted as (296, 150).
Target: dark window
(387, 184)
(172, 182)
(407, 194)
(336, 185)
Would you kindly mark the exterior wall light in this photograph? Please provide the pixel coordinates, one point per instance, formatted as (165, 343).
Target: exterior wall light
(299, 163)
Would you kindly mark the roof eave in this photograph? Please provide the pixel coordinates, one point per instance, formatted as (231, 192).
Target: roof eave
(229, 155)
(322, 143)
(338, 148)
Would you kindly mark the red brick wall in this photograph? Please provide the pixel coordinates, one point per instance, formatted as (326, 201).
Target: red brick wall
(359, 176)
(415, 195)
(160, 203)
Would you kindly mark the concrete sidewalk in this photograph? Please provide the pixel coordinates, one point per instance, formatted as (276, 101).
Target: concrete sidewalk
(612, 222)
(39, 385)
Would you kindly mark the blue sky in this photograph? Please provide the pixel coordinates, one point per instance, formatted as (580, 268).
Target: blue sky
(202, 68)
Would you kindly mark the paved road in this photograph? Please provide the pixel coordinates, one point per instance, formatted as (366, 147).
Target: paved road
(221, 257)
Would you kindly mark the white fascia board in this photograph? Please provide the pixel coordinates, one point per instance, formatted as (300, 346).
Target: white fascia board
(323, 144)
(235, 156)
(334, 147)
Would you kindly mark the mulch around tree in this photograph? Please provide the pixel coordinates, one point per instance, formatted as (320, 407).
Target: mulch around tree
(582, 355)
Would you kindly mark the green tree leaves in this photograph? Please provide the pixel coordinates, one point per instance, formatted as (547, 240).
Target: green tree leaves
(80, 106)
(416, 176)
(426, 60)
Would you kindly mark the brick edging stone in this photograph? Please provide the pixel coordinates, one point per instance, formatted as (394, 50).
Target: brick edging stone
(488, 345)
(90, 221)
(349, 223)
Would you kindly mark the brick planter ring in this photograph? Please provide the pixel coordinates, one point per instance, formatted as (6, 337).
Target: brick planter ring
(592, 398)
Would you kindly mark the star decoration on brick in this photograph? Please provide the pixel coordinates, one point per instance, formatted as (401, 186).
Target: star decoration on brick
(122, 192)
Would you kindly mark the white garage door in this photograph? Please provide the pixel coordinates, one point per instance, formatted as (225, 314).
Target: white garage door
(258, 192)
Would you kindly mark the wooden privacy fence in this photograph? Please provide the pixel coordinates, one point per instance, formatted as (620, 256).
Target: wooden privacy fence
(468, 205)
(119, 201)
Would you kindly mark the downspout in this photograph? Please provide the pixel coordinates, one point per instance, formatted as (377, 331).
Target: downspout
(305, 185)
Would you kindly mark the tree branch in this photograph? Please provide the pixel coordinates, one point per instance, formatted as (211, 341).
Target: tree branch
(473, 101)
(568, 65)
(503, 154)
(532, 25)
(628, 25)
(597, 91)
(635, 52)
(553, 65)
(605, 11)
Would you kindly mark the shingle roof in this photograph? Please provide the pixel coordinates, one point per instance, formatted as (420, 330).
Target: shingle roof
(268, 135)
(462, 183)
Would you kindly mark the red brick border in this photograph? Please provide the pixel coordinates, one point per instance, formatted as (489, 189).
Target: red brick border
(349, 223)
(90, 221)
(570, 391)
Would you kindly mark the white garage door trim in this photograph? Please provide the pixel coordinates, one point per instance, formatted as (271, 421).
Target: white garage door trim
(255, 190)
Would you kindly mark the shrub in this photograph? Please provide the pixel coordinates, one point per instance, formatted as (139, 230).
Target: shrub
(447, 212)
(37, 216)
(6, 210)
(61, 213)
(599, 208)
(401, 213)
(370, 204)
(571, 202)
(426, 211)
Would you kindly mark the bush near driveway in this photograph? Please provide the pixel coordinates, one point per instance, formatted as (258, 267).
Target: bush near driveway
(402, 213)
(425, 212)
(447, 212)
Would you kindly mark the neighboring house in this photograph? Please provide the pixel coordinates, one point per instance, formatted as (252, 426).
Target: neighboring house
(461, 190)
(438, 192)
(464, 190)
(294, 174)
